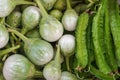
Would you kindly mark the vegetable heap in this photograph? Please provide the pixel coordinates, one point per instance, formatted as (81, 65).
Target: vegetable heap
(59, 40)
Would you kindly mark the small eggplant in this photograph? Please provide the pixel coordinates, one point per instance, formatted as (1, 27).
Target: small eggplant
(4, 35)
(67, 45)
(18, 67)
(52, 70)
(50, 28)
(56, 13)
(68, 76)
(69, 18)
(7, 6)
(38, 51)
(14, 19)
(30, 18)
(48, 4)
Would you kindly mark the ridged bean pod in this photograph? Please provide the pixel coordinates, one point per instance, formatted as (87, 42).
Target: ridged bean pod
(80, 34)
(98, 41)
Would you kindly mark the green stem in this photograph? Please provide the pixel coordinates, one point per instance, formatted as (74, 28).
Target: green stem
(19, 2)
(14, 37)
(57, 57)
(100, 75)
(25, 39)
(68, 4)
(43, 11)
(24, 30)
(67, 63)
(3, 52)
(38, 74)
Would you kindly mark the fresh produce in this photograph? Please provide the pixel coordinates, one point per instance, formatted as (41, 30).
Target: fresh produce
(48, 4)
(14, 19)
(7, 6)
(80, 34)
(109, 45)
(68, 76)
(60, 5)
(18, 67)
(4, 35)
(67, 45)
(30, 18)
(6, 51)
(52, 71)
(38, 51)
(98, 41)
(56, 13)
(50, 28)
(115, 26)
(59, 40)
(34, 33)
(69, 18)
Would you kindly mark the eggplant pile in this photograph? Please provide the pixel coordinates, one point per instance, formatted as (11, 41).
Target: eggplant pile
(59, 40)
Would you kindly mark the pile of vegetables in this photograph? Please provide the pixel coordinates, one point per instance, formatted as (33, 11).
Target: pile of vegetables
(59, 40)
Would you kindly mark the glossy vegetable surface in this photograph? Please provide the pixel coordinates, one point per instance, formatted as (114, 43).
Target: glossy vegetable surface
(38, 51)
(7, 6)
(50, 28)
(18, 67)
(4, 35)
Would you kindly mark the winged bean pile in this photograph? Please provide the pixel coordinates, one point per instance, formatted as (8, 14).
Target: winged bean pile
(59, 40)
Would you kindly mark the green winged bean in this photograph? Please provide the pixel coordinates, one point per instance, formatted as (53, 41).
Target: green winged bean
(98, 41)
(80, 34)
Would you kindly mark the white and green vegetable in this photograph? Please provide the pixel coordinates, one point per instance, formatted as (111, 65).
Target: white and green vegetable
(4, 35)
(70, 18)
(52, 71)
(7, 6)
(30, 18)
(50, 28)
(38, 51)
(67, 46)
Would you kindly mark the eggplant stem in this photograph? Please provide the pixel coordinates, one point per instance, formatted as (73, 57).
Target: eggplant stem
(57, 57)
(38, 74)
(67, 64)
(6, 51)
(43, 11)
(25, 39)
(68, 4)
(23, 31)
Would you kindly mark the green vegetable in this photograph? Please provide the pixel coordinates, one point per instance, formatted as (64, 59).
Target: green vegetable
(108, 39)
(50, 28)
(7, 6)
(80, 8)
(56, 13)
(14, 18)
(68, 76)
(33, 33)
(99, 74)
(98, 41)
(115, 26)
(30, 18)
(69, 18)
(38, 51)
(67, 45)
(18, 67)
(8, 50)
(52, 70)
(48, 4)
(60, 5)
(80, 34)
(4, 35)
